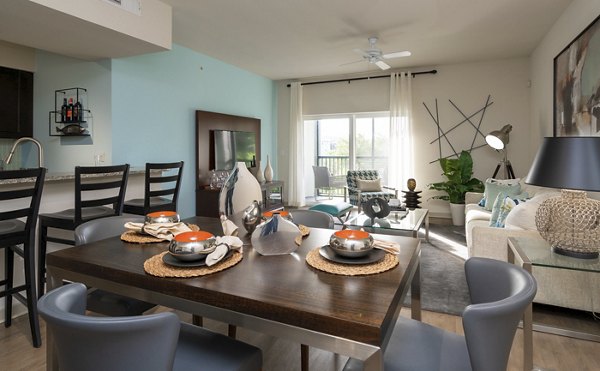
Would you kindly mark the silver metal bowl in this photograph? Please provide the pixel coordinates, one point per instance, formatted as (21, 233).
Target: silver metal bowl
(162, 217)
(190, 246)
(351, 243)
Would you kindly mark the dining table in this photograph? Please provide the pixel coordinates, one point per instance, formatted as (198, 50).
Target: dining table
(278, 295)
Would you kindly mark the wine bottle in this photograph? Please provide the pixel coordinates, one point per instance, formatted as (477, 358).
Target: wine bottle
(70, 110)
(63, 111)
(79, 109)
(75, 113)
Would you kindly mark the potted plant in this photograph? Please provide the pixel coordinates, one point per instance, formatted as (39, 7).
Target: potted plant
(458, 172)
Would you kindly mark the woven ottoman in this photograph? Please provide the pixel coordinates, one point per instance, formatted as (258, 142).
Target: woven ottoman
(339, 210)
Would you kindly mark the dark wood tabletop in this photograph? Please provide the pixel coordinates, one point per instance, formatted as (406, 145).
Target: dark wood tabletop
(280, 288)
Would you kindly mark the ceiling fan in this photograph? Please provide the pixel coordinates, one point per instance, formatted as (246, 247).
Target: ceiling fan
(375, 56)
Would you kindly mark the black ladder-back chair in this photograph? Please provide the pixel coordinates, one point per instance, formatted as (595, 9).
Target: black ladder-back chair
(15, 232)
(95, 187)
(154, 199)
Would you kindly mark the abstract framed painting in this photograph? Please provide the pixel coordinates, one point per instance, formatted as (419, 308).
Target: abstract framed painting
(577, 85)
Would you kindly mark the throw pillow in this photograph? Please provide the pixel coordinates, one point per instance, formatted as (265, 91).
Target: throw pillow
(493, 187)
(502, 208)
(523, 215)
(369, 185)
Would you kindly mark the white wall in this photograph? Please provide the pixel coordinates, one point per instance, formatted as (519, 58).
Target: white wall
(59, 72)
(467, 85)
(573, 20)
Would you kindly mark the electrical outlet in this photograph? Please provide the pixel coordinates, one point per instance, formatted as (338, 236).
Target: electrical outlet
(103, 157)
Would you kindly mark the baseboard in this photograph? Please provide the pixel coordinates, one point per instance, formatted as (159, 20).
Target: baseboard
(18, 310)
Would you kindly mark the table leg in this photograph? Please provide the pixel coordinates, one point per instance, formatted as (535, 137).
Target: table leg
(427, 227)
(415, 294)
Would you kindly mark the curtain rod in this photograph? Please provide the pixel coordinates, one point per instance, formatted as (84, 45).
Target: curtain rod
(433, 72)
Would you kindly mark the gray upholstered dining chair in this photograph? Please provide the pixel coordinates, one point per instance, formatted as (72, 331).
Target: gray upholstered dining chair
(100, 301)
(155, 342)
(499, 292)
(312, 218)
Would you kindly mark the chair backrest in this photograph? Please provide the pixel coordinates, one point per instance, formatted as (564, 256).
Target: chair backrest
(500, 292)
(322, 176)
(22, 190)
(352, 175)
(312, 218)
(106, 343)
(99, 229)
(96, 186)
(167, 183)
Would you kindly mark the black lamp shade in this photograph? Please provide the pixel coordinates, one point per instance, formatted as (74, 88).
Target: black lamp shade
(567, 163)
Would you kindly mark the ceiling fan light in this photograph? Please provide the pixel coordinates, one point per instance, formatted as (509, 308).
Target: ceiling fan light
(382, 65)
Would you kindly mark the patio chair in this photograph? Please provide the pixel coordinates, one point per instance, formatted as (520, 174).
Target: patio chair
(324, 180)
(364, 185)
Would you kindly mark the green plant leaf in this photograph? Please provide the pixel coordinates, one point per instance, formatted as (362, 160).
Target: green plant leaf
(458, 172)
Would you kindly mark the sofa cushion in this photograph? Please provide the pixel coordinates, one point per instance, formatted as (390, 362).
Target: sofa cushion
(366, 185)
(493, 187)
(522, 216)
(476, 212)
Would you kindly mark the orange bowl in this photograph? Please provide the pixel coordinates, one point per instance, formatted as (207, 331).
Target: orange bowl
(351, 243)
(162, 217)
(190, 246)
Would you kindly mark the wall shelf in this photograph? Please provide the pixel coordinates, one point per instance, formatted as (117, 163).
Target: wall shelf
(69, 122)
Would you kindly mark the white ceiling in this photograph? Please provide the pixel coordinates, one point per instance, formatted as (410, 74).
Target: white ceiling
(293, 39)
(288, 39)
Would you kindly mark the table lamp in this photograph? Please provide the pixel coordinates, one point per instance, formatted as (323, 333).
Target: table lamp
(569, 222)
(498, 139)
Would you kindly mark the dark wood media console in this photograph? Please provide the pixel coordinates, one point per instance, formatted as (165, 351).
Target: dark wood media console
(206, 198)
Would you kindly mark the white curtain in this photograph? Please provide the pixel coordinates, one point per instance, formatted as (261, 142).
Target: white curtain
(295, 181)
(401, 159)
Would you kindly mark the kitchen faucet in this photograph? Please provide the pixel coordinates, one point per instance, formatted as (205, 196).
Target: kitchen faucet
(26, 139)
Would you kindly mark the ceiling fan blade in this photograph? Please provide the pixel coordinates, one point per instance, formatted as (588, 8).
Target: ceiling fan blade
(382, 65)
(361, 52)
(405, 53)
(345, 64)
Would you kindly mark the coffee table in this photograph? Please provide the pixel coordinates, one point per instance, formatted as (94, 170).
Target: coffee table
(397, 222)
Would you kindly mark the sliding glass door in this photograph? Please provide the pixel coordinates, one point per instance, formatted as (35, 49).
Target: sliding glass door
(347, 142)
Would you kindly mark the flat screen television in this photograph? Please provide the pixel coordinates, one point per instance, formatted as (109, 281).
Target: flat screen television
(234, 146)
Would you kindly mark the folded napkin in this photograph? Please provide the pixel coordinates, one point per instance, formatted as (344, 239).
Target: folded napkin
(224, 244)
(164, 231)
(390, 247)
(229, 227)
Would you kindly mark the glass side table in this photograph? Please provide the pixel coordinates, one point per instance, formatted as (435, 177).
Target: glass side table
(531, 252)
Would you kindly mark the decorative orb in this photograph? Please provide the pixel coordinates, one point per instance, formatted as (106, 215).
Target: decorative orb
(376, 208)
(571, 224)
(411, 184)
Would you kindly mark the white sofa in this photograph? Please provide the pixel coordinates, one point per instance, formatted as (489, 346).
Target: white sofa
(560, 287)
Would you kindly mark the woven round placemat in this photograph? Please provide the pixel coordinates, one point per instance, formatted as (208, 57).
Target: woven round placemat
(135, 237)
(156, 267)
(315, 260)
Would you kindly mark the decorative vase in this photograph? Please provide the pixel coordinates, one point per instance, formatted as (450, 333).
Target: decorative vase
(458, 214)
(239, 191)
(275, 236)
(251, 216)
(259, 173)
(268, 170)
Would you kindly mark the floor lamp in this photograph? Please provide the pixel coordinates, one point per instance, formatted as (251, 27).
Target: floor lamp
(498, 139)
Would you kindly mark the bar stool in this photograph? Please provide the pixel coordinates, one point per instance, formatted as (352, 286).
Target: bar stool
(15, 232)
(95, 188)
(154, 199)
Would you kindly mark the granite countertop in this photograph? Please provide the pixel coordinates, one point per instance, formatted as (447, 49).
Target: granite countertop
(62, 176)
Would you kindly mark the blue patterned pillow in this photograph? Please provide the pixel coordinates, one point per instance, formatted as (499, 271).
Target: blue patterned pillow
(493, 187)
(502, 207)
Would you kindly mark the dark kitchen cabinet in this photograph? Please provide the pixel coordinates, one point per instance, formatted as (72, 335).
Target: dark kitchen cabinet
(16, 103)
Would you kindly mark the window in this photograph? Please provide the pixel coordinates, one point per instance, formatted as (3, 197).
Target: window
(347, 142)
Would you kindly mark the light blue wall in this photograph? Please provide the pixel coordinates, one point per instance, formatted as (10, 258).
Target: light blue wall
(154, 99)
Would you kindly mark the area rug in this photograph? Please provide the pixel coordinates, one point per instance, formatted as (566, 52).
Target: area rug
(443, 283)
